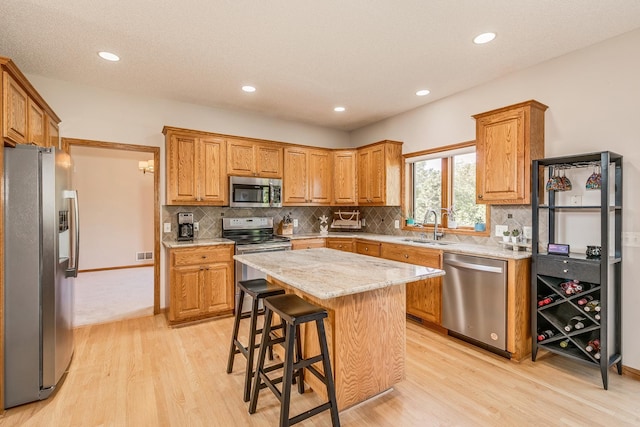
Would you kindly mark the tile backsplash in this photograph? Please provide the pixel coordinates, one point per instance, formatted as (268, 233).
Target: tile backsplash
(378, 220)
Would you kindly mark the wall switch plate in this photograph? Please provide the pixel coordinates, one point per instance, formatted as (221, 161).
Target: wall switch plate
(500, 229)
(167, 227)
(295, 222)
(527, 232)
(396, 223)
(196, 226)
(364, 222)
(576, 200)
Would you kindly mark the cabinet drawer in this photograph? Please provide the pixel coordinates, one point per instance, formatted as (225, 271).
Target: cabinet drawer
(569, 269)
(308, 244)
(202, 255)
(347, 245)
(368, 248)
(412, 255)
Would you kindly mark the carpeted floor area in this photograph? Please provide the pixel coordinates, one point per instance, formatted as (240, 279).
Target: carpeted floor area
(110, 295)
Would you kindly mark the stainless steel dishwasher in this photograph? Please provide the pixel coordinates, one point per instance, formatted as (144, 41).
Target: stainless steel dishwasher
(474, 300)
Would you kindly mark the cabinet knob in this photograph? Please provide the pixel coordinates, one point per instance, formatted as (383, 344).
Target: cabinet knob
(565, 261)
(204, 257)
(479, 196)
(565, 270)
(366, 249)
(406, 256)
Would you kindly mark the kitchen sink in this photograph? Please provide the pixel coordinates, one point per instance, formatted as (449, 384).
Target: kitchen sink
(427, 242)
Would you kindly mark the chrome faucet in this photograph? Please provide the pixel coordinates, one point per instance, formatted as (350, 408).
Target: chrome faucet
(436, 235)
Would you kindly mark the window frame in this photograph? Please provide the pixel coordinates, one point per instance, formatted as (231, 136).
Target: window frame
(446, 185)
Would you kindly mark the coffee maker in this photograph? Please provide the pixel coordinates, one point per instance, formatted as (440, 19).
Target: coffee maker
(185, 226)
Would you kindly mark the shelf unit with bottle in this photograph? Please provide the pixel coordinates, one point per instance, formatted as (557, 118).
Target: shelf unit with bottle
(576, 298)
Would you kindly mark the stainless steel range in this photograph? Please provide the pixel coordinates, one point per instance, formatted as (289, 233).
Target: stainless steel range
(252, 235)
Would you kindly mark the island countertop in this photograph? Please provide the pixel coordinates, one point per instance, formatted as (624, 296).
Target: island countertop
(328, 273)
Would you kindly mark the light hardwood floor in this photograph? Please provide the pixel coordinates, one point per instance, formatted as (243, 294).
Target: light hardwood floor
(139, 372)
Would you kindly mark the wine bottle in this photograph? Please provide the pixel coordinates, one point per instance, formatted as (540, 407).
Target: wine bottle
(575, 323)
(585, 299)
(542, 301)
(592, 305)
(597, 316)
(597, 356)
(593, 345)
(564, 343)
(571, 287)
(545, 334)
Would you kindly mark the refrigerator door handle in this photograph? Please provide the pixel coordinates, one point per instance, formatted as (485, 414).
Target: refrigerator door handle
(72, 271)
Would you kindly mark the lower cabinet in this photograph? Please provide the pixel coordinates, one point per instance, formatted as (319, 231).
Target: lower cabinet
(342, 244)
(367, 247)
(424, 297)
(200, 282)
(308, 243)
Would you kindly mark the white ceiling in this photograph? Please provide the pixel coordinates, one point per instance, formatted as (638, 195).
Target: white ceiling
(304, 57)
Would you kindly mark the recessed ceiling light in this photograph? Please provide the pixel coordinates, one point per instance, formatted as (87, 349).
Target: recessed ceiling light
(423, 92)
(109, 56)
(339, 109)
(248, 88)
(484, 38)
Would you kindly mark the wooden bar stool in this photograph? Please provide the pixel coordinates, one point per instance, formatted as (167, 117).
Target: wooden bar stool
(258, 289)
(294, 311)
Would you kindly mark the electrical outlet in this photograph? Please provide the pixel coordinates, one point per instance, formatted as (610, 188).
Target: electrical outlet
(630, 239)
(396, 223)
(167, 227)
(576, 200)
(500, 229)
(364, 222)
(295, 222)
(196, 226)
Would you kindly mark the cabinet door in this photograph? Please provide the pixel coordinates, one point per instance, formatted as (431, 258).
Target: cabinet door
(424, 299)
(15, 111)
(186, 293)
(376, 175)
(217, 288)
(347, 245)
(36, 119)
(182, 174)
(368, 248)
(364, 191)
(296, 176)
(344, 178)
(269, 161)
(307, 243)
(52, 135)
(500, 152)
(320, 176)
(212, 177)
(241, 158)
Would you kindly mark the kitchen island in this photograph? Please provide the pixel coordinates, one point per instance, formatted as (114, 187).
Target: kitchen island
(365, 299)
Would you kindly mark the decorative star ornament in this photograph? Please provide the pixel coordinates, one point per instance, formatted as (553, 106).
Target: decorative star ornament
(323, 219)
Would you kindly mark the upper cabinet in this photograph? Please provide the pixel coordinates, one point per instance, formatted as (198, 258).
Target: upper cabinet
(252, 158)
(507, 140)
(307, 176)
(378, 168)
(196, 168)
(345, 171)
(26, 117)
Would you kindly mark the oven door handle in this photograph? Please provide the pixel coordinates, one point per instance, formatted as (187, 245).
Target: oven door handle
(241, 251)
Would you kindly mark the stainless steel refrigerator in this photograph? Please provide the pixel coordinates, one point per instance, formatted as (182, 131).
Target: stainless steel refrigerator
(41, 259)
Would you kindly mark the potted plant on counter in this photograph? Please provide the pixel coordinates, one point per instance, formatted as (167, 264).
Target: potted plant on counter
(514, 235)
(505, 236)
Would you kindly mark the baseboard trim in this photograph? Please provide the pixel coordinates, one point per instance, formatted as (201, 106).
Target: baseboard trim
(634, 373)
(122, 267)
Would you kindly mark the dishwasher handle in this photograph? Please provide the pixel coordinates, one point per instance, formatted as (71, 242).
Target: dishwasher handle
(477, 267)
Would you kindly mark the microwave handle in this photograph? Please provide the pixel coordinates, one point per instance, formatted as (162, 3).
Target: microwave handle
(271, 194)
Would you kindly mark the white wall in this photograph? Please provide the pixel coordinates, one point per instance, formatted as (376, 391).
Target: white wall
(592, 96)
(116, 202)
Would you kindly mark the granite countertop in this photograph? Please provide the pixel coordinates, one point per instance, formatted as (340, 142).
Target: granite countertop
(172, 244)
(329, 273)
(447, 246)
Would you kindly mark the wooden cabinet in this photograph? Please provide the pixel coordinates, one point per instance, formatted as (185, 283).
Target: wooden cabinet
(424, 297)
(345, 188)
(342, 244)
(367, 247)
(307, 176)
(308, 243)
(36, 127)
(200, 282)
(507, 140)
(15, 112)
(52, 133)
(378, 168)
(196, 168)
(252, 158)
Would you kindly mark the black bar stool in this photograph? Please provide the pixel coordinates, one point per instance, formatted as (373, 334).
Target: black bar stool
(294, 311)
(258, 289)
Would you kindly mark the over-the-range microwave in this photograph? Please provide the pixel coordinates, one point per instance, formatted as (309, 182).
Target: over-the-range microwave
(249, 192)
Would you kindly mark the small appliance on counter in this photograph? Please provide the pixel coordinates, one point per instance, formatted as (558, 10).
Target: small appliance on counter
(185, 226)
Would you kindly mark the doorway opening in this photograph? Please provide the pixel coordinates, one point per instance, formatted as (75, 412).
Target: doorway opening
(146, 258)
